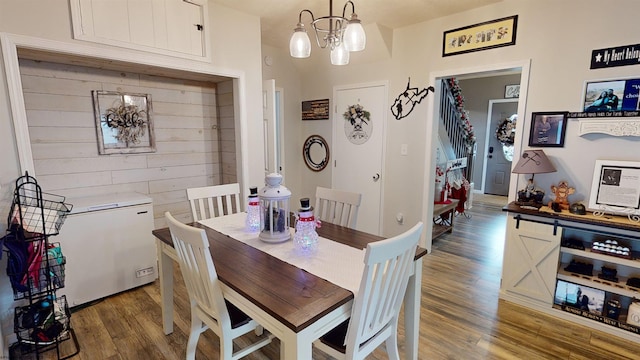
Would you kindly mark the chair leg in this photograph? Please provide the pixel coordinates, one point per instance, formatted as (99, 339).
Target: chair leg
(259, 330)
(226, 348)
(392, 346)
(194, 335)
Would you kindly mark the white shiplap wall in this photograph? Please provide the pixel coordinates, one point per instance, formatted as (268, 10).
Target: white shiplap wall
(187, 124)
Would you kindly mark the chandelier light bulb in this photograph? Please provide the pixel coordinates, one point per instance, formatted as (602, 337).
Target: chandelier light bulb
(300, 45)
(340, 55)
(355, 37)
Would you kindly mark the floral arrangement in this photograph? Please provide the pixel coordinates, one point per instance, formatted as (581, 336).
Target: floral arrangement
(506, 131)
(468, 134)
(356, 112)
(129, 122)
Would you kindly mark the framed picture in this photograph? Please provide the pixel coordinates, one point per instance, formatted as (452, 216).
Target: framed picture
(606, 96)
(315, 109)
(123, 122)
(487, 35)
(580, 297)
(615, 187)
(511, 91)
(548, 129)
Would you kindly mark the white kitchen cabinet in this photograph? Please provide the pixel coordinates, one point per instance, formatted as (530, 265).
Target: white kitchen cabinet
(169, 27)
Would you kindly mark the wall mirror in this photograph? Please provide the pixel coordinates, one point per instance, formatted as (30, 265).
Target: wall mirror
(315, 153)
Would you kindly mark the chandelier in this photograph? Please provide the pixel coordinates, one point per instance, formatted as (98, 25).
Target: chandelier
(337, 33)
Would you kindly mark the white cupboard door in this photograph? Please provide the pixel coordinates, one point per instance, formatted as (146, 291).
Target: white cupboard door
(169, 27)
(531, 256)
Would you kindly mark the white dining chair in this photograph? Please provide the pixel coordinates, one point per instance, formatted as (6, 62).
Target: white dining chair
(212, 201)
(209, 309)
(376, 308)
(337, 206)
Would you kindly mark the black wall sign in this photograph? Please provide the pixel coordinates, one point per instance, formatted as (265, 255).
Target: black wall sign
(615, 56)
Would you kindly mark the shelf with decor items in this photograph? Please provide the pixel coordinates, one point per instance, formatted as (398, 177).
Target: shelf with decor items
(581, 268)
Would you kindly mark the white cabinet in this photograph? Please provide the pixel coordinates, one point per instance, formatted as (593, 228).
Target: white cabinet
(553, 263)
(170, 27)
(108, 246)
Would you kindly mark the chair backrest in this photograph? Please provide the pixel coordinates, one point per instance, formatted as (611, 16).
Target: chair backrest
(337, 206)
(213, 201)
(388, 265)
(198, 271)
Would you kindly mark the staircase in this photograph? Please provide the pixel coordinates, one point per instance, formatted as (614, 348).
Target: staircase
(455, 131)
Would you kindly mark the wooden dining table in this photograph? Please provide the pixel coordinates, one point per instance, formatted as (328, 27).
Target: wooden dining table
(291, 303)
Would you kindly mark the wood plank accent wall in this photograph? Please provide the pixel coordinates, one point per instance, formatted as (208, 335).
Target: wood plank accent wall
(190, 118)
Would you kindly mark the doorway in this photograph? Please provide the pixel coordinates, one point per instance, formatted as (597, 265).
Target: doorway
(431, 135)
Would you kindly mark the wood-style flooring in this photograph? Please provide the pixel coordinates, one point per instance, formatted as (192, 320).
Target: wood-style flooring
(462, 317)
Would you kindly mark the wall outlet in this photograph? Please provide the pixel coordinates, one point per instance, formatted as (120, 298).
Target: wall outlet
(144, 272)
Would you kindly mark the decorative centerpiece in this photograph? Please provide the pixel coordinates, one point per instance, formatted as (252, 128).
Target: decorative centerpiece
(305, 240)
(252, 223)
(274, 210)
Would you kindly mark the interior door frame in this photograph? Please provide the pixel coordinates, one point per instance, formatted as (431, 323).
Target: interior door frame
(335, 132)
(431, 132)
(488, 134)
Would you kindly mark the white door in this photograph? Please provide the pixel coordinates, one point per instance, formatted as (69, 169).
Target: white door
(358, 149)
(269, 126)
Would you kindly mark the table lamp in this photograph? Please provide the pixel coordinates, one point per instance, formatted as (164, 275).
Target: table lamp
(532, 162)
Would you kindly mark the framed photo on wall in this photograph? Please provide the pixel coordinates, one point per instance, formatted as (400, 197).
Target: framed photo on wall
(548, 129)
(615, 187)
(606, 96)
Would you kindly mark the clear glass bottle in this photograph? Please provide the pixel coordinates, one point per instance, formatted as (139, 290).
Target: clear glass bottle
(253, 211)
(305, 240)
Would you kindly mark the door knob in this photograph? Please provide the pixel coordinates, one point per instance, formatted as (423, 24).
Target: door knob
(376, 177)
(490, 156)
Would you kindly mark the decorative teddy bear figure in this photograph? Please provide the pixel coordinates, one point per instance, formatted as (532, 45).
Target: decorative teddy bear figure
(562, 192)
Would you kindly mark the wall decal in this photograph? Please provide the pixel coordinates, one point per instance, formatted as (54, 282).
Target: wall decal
(357, 127)
(405, 102)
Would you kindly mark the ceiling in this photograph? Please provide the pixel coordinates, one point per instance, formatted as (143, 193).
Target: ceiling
(278, 18)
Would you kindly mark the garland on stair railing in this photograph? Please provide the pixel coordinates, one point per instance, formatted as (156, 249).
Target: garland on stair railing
(468, 134)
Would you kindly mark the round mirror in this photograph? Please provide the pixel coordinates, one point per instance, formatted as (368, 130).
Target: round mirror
(315, 153)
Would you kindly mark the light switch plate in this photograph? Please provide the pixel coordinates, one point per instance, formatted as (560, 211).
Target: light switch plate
(404, 149)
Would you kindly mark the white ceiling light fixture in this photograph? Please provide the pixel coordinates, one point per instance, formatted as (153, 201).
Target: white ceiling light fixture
(337, 33)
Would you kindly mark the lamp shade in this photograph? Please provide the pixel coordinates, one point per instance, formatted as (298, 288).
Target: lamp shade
(300, 45)
(533, 162)
(354, 36)
(340, 55)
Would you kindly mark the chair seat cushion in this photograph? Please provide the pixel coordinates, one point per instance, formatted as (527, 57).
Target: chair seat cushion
(237, 317)
(335, 338)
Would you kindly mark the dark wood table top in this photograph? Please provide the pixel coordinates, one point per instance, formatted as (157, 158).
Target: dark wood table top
(293, 296)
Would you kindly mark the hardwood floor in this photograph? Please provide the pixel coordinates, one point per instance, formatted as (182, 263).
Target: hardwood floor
(462, 317)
